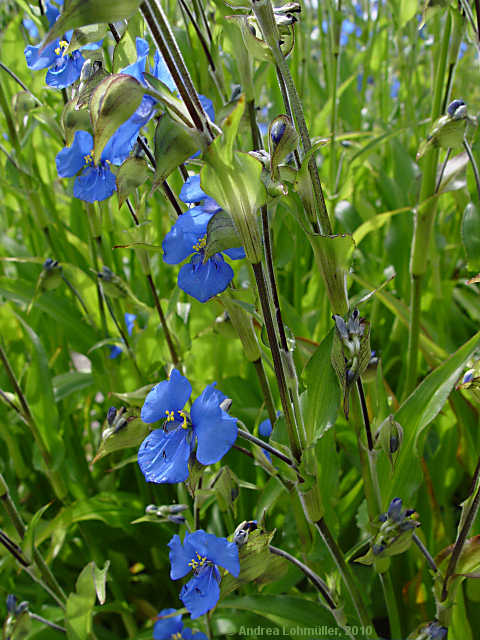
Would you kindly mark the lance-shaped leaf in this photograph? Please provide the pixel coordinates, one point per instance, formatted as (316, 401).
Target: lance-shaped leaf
(73, 120)
(221, 234)
(471, 235)
(86, 35)
(114, 100)
(174, 143)
(79, 13)
(131, 175)
(129, 432)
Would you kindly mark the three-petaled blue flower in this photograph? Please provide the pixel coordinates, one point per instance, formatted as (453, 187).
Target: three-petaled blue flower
(163, 455)
(173, 629)
(202, 552)
(200, 278)
(95, 182)
(63, 69)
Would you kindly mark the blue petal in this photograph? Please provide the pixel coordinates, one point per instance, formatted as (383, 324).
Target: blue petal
(65, 71)
(92, 46)
(70, 160)
(207, 105)
(235, 254)
(202, 592)
(115, 351)
(181, 555)
(171, 395)
(163, 456)
(160, 71)
(216, 431)
(165, 629)
(191, 190)
(265, 428)
(205, 280)
(123, 140)
(94, 184)
(130, 322)
(31, 28)
(52, 14)
(137, 68)
(179, 242)
(218, 550)
(41, 60)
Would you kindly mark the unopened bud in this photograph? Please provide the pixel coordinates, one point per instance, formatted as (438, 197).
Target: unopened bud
(389, 437)
(112, 412)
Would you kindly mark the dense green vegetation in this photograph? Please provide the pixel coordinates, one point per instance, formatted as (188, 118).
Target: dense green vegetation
(338, 146)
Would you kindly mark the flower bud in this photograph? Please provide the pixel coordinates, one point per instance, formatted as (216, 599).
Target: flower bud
(240, 536)
(112, 284)
(282, 139)
(51, 275)
(389, 437)
(112, 412)
(11, 603)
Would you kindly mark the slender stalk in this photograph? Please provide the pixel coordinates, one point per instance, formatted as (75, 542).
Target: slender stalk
(267, 392)
(462, 536)
(165, 41)
(19, 82)
(424, 218)
(473, 162)
(477, 11)
(79, 298)
(346, 574)
(123, 335)
(391, 602)
(16, 519)
(268, 447)
(277, 361)
(366, 419)
(311, 575)
(52, 625)
(163, 321)
(442, 170)
(424, 550)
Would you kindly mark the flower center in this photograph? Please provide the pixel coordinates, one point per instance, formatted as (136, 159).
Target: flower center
(198, 563)
(89, 158)
(171, 418)
(176, 636)
(62, 47)
(201, 244)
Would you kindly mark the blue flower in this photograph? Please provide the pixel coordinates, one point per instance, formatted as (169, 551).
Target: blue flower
(163, 455)
(173, 628)
(31, 28)
(200, 278)
(125, 137)
(395, 88)
(115, 351)
(63, 70)
(95, 182)
(202, 552)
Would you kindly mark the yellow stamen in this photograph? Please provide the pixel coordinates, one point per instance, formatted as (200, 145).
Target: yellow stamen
(184, 416)
(176, 636)
(170, 415)
(62, 47)
(89, 158)
(196, 564)
(201, 244)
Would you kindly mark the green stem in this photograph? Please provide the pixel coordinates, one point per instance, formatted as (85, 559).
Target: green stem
(346, 574)
(266, 391)
(424, 217)
(473, 162)
(56, 480)
(16, 519)
(163, 322)
(391, 602)
(52, 625)
(246, 435)
(277, 361)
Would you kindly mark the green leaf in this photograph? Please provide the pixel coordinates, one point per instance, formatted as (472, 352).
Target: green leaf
(79, 609)
(70, 382)
(415, 414)
(295, 610)
(29, 540)
(221, 234)
(322, 397)
(114, 100)
(100, 579)
(131, 175)
(471, 235)
(79, 13)
(130, 434)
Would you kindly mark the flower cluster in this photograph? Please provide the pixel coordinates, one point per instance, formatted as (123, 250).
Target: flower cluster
(200, 278)
(202, 553)
(164, 454)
